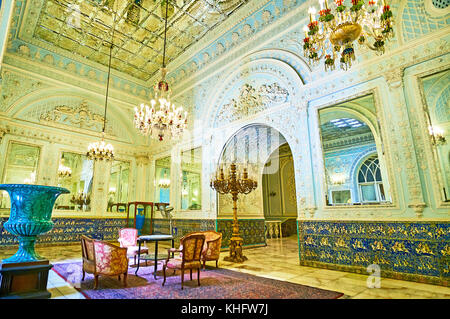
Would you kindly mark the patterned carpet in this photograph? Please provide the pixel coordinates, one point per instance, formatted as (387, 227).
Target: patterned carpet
(216, 283)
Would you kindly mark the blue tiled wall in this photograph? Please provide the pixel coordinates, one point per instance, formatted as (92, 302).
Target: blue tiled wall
(418, 251)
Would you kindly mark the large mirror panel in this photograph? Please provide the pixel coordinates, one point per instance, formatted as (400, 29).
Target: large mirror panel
(21, 167)
(355, 173)
(436, 90)
(162, 180)
(191, 168)
(118, 185)
(75, 172)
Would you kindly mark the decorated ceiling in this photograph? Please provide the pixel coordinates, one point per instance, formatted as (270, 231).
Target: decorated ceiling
(84, 27)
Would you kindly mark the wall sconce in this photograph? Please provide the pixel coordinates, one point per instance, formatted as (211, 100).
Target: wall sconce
(437, 135)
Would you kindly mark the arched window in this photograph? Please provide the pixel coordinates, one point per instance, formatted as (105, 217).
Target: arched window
(370, 184)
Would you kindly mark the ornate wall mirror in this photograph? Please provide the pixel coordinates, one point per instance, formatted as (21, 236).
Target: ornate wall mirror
(355, 171)
(21, 167)
(436, 90)
(191, 168)
(118, 183)
(162, 180)
(75, 172)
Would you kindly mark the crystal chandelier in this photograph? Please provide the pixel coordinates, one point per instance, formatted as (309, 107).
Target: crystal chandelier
(100, 150)
(164, 182)
(64, 171)
(437, 135)
(341, 25)
(338, 178)
(165, 117)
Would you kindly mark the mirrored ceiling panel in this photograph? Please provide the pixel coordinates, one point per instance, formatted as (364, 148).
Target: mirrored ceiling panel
(84, 27)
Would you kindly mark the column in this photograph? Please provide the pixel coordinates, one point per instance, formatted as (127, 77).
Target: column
(404, 141)
(175, 178)
(100, 187)
(142, 187)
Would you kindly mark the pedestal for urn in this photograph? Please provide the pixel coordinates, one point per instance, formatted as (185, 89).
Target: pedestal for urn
(25, 274)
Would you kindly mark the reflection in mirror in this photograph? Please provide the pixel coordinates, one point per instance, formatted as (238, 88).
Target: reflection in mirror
(118, 185)
(437, 96)
(162, 180)
(21, 167)
(354, 166)
(191, 167)
(75, 172)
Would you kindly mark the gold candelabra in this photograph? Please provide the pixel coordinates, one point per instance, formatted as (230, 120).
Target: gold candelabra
(233, 184)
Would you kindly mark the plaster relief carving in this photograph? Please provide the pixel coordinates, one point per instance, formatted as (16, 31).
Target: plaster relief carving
(80, 117)
(251, 101)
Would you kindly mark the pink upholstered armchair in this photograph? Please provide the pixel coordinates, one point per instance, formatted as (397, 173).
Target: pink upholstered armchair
(128, 239)
(102, 258)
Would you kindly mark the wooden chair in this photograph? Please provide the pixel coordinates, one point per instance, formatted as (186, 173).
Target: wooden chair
(211, 247)
(102, 258)
(190, 256)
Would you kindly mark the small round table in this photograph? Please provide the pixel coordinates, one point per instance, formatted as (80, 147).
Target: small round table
(156, 239)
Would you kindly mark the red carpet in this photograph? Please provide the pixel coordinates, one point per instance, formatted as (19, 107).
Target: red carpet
(216, 283)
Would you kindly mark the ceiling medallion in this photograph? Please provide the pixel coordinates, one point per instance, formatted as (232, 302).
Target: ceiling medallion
(157, 121)
(339, 27)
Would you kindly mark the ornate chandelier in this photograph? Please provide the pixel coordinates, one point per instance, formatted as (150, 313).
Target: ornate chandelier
(64, 171)
(340, 26)
(164, 182)
(157, 120)
(437, 135)
(338, 178)
(101, 150)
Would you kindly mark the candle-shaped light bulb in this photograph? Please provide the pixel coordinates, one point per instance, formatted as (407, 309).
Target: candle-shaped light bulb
(312, 12)
(305, 28)
(321, 2)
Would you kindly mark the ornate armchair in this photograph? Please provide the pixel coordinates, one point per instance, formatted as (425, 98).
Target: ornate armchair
(190, 256)
(211, 247)
(128, 239)
(102, 258)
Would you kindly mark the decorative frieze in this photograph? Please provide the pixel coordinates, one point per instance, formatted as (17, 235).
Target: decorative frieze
(76, 116)
(250, 101)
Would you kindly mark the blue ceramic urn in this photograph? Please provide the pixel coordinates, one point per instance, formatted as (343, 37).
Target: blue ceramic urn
(30, 216)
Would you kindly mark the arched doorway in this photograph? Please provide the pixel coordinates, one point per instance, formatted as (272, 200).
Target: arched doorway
(253, 146)
(279, 195)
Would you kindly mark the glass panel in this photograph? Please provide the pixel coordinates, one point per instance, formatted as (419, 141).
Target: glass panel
(341, 197)
(350, 150)
(118, 183)
(368, 193)
(21, 168)
(437, 94)
(78, 182)
(162, 180)
(191, 167)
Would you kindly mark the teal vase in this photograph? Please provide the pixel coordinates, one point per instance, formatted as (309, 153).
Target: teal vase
(30, 216)
(140, 220)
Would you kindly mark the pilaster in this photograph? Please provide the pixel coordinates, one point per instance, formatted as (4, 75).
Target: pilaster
(405, 141)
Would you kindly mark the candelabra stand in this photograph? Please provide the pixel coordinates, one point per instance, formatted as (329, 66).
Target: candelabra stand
(233, 184)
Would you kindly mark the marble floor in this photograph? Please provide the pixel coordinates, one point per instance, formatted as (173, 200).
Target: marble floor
(278, 260)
